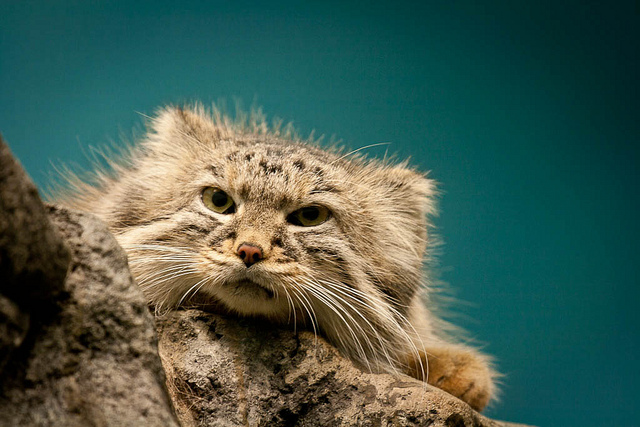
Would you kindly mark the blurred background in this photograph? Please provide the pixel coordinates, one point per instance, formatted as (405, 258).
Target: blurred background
(527, 113)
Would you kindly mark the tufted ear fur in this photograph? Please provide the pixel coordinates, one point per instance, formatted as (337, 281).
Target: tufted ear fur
(413, 185)
(174, 130)
(413, 196)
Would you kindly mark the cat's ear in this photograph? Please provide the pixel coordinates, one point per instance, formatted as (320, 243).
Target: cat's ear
(412, 197)
(412, 189)
(176, 128)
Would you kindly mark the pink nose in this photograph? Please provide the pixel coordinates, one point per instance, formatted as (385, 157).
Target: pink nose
(249, 253)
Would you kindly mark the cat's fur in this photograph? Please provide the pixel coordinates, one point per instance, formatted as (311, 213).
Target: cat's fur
(356, 278)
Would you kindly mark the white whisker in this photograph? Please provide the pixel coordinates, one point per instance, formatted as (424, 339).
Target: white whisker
(197, 285)
(339, 310)
(359, 149)
(306, 305)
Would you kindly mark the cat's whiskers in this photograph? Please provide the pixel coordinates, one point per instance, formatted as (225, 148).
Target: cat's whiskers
(299, 294)
(351, 306)
(160, 276)
(397, 319)
(399, 326)
(363, 324)
(352, 152)
(197, 287)
(368, 302)
(159, 248)
(292, 309)
(157, 290)
(343, 314)
(157, 265)
(348, 322)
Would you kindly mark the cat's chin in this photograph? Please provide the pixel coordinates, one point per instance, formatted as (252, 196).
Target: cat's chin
(248, 298)
(248, 288)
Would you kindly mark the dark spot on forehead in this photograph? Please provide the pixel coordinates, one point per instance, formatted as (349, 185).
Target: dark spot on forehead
(317, 170)
(299, 164)
(214, 170)
(244, 190)
(249, 156)
(275, 152)
(270, 167)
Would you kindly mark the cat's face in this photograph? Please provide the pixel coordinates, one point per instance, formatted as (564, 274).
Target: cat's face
(265, 226)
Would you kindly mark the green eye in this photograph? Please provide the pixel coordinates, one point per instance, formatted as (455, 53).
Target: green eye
(309, 216)
(218, 201)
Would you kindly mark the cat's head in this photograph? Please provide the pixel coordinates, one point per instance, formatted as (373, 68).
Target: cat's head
(265, 224)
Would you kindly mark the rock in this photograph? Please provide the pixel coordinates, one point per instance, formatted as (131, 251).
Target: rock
(14, 326)
(33, 256)
(237, 372)
(96, 362)
(92, 359)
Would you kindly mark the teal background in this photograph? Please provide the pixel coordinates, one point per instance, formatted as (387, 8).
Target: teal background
(527, 113)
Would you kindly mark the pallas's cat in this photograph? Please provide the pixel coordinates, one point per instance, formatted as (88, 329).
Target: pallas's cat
(251, 220)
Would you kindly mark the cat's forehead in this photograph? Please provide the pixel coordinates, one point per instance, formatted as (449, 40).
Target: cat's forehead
(278, 170)
(273, 148)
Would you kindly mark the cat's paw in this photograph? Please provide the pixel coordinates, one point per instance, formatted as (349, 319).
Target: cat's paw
(460, 371)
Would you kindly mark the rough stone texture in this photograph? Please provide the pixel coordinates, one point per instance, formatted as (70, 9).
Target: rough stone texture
(95, 363)
(33, 257)
(237, 372)
(14, 326)
(80, 351)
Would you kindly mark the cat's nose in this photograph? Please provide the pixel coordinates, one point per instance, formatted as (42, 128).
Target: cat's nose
(249, 253)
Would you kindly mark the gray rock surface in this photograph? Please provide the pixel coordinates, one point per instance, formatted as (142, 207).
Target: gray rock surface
(14, 326)
(96, 362)
(33, 256)
(237, 372)
(80, 350)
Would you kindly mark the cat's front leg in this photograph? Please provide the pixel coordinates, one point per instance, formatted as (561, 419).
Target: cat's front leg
(458, 370)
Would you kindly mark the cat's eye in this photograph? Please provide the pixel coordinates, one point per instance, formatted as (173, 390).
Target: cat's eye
(309, 216)
(218, 201)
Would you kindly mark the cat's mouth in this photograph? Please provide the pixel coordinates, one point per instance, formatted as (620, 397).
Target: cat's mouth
(247, 287)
